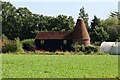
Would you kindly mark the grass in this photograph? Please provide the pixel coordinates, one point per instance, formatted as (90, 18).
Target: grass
(59, 66)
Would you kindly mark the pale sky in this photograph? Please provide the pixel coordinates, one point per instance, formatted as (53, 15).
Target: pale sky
(100, 8)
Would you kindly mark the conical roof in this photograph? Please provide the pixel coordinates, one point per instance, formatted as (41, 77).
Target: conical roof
(80, 31)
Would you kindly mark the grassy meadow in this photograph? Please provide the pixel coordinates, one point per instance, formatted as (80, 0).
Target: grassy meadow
(59, 66)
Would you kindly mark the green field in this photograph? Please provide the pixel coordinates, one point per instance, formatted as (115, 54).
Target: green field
(59, 66)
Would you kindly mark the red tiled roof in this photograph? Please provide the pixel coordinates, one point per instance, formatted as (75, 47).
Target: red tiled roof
(53, 35)
(80, 32)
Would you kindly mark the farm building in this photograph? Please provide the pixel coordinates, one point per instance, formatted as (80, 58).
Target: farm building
(52, 41)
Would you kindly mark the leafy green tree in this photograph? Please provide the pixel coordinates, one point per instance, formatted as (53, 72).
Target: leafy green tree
(84, 16)
(59, 23)
(114, 33)
(24, 24)
(8, 19)
(99, 34)
(109, 22)
(95, 22)
(64, 23)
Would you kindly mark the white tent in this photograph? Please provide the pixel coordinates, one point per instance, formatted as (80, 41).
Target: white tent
(110, 47)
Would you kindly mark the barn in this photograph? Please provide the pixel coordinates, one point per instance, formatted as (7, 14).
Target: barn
(52, 41)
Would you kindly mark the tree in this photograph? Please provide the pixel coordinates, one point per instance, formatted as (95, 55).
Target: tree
(84, 16)
(59, 23)
(112, 26)
(95, 22)
(114, 33)
(115, 14)
(109, 22)
(8, 19)
(99, 34)
(64, 23)
(24, 24)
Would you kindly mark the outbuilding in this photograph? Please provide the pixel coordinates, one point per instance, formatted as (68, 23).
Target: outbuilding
(52, 41)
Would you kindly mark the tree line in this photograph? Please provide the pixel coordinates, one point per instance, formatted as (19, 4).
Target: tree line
(24, 24)
(21, 22)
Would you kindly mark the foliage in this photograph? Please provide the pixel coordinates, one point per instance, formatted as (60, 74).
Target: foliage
(95, 22)
(113, 31)
(63, 66)
(5, 40)
(85, 49)
(19, 45)
(24, 24)
(91, 49)
(84, 16)
(10, 47)
(99, 34)
(114, 14)
(112, 26)
(28, 41)
(76, 47)
(104, 30)
(109, 22)
(8, 19)
(28, 44)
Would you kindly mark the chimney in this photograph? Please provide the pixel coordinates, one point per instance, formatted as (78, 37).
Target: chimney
(80, 33)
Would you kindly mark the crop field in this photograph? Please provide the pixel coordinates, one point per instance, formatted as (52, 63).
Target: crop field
(59, 66)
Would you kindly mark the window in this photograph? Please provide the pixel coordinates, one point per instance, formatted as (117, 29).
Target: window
(65, 41)
(42, 41)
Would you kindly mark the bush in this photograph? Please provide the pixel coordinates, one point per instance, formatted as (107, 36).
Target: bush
(78, 47)
(90, 49)
(28, 41)
(10, 47)
(86, 49)
(28, 44)
(5, 40)
(19, 45)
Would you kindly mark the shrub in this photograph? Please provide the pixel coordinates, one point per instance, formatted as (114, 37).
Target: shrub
(86, 49)
(5, 40)
(10, 47)
(19, 45)
(90, 49)
(28, 44)
(76, 47)
(28, 41)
